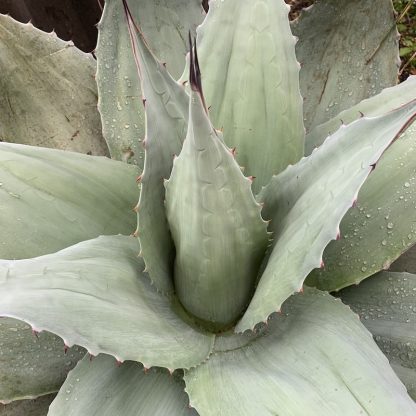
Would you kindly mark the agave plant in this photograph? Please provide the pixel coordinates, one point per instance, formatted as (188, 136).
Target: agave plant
(203, 309)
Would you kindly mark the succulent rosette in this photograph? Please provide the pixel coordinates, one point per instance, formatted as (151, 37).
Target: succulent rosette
(261, 188)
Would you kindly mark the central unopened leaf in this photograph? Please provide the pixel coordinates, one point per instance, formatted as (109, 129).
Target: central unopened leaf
(219, 235)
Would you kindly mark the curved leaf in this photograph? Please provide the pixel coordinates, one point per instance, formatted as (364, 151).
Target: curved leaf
(381, 226)
(30, 365)
(49, 96)
(315, 359)
(387, 100)
(50, 199)
(93, 294)
(99, 387)
(308, 200)
(166, 121)
(251, 82)
(38, 407)
(165, 24)
(387, 307)
(349, 51)
(219, 235)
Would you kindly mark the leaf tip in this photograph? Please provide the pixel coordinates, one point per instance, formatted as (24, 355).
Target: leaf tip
(195, 70)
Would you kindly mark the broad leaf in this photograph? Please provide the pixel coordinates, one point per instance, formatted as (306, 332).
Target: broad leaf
(381, 226)
(99, 387)
(166, 121)
(387, 307)
(251, 80)
(348, 51)
(315, 359)
(38, 407)
(220, 237)
(50, 199)
(165, 24)
(94, 294)
(31, 364)
(49, 96)
(387, 100)
(308, 200)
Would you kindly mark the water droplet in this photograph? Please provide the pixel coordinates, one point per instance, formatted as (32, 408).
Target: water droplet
(390, 225)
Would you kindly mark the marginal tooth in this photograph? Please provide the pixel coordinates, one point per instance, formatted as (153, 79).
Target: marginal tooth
(338, 237)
